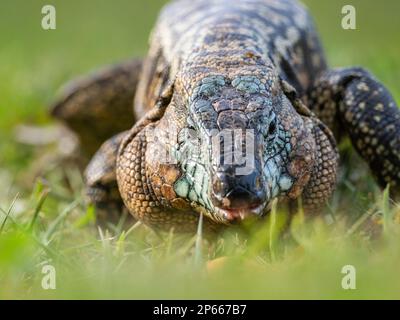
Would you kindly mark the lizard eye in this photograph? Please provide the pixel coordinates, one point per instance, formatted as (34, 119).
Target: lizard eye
(272, 128)
(271, 133)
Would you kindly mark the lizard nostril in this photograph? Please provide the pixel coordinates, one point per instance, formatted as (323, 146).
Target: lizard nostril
(231, 192)
(220, 187)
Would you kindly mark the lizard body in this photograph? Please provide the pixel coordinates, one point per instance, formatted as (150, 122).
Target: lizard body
(246, 77)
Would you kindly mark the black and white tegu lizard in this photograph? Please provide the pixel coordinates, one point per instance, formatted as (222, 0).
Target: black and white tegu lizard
(242, 80)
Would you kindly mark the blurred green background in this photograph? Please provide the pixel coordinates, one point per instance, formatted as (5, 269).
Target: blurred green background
(92, 33)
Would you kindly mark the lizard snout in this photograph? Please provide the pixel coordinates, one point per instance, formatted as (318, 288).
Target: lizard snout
(238, 197)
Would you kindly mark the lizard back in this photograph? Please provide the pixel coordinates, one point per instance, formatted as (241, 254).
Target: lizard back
(202, 35)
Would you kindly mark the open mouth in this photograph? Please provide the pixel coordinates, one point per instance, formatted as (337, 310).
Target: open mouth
(240, 214)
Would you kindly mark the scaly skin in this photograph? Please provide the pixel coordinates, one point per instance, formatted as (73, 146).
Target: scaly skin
(253, 66)
(353, 100)
(228, 65)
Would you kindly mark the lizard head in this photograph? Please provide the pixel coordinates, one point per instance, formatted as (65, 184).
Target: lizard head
(240, 144)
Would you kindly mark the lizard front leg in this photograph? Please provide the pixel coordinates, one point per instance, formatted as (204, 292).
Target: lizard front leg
(101, 183)
(352, 100)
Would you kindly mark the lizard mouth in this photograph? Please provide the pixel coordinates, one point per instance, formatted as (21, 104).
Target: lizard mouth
(240, 214)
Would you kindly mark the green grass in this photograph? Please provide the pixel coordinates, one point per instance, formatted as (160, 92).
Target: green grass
(43, 218)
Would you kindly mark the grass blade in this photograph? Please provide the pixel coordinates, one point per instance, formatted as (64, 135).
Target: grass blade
(198, 257)
(385, 207)
(272, 226)
(42, 199)
(8, 213)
